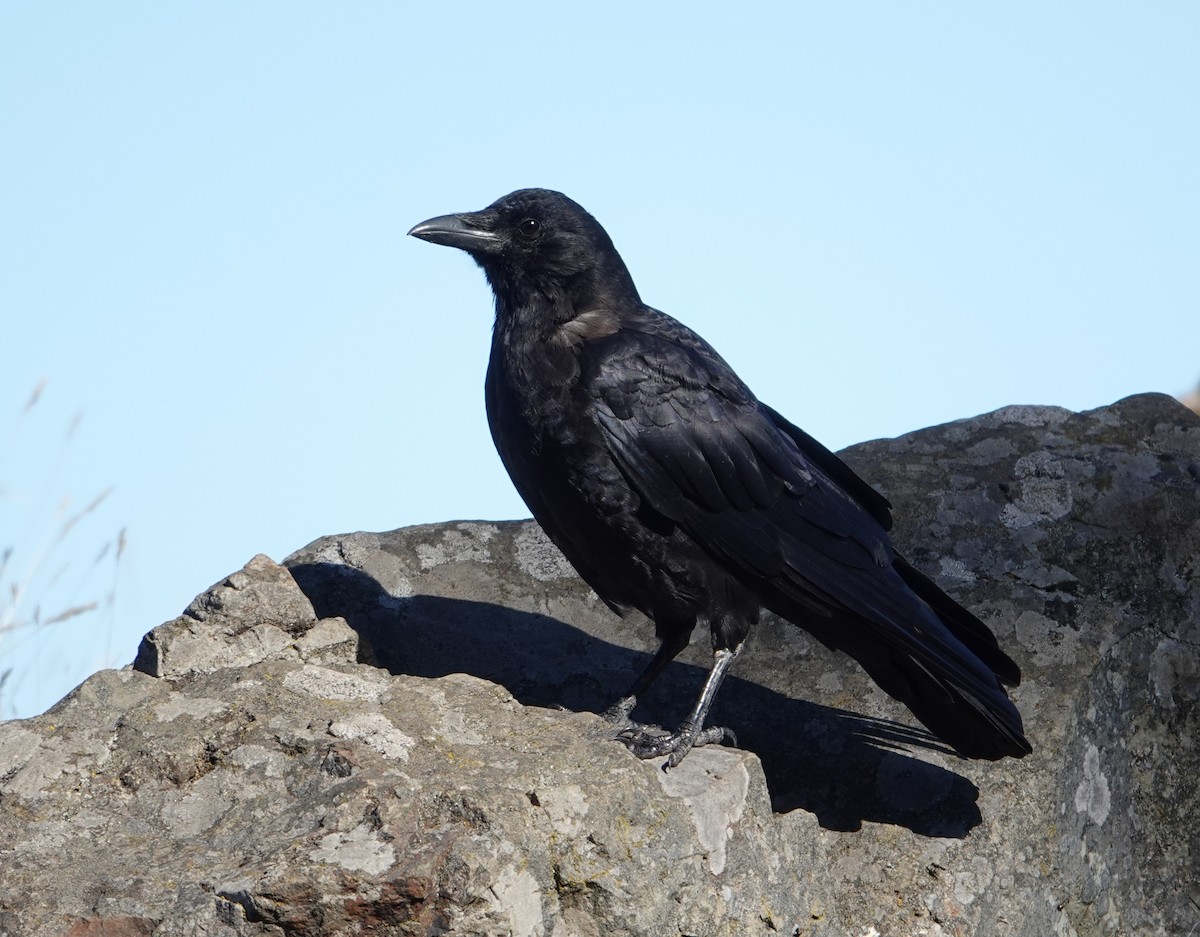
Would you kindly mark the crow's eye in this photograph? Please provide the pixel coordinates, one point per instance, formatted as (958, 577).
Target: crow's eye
(529, 228)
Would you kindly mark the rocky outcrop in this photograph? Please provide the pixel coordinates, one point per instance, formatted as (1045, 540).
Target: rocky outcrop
(393, 734)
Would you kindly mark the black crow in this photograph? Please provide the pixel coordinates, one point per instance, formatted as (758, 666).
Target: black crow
(674, 491)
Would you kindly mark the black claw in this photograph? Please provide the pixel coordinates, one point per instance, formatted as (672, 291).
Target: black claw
(647, 741)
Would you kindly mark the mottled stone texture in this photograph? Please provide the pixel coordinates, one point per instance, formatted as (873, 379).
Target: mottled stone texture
(392, 734)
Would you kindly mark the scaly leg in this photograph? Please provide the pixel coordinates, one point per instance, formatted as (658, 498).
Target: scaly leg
(618, 712)
(652, 741)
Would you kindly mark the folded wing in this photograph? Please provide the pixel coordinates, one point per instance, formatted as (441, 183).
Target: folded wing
(789, 519)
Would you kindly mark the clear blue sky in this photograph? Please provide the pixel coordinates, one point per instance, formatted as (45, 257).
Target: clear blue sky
(884, 215)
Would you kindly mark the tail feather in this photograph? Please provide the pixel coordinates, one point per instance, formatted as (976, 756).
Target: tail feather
(975, 721)
(928, 652)
(977, 636)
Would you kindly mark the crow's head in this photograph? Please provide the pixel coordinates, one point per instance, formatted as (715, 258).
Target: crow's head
(536, 241)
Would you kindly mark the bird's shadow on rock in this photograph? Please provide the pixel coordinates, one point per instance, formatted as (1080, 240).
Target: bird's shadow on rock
(841, 767)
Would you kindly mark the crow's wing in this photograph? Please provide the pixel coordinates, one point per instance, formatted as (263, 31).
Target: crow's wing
(701, 450)
(838, 471)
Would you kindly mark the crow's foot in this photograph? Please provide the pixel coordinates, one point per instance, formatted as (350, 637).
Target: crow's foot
(653, 741)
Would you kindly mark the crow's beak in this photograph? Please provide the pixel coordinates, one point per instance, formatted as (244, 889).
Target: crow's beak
(468, 232)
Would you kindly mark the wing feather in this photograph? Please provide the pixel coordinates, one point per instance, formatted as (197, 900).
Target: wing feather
(700, 449)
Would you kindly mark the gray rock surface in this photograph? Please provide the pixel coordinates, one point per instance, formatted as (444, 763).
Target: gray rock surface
(392, 734)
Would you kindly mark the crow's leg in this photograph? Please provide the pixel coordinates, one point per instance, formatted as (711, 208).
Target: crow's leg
(651, 741)
(618, 712)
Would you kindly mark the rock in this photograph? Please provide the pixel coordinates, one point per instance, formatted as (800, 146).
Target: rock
(254, 615)
(254, 774)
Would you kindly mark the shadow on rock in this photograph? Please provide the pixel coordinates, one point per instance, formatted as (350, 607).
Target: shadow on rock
(841, 767)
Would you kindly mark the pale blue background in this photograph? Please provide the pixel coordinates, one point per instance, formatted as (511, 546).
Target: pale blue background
(884, 215)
